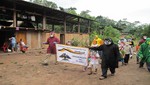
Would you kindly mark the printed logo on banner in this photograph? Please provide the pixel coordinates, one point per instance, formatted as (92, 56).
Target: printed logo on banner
(65, 57)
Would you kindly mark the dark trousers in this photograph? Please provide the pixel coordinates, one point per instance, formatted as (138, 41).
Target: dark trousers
(141, 64)
(104, 71)
(137, 59)
(126, 58)
(100, 53)
(148, 66)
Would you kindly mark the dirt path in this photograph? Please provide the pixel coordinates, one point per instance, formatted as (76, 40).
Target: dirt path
(26, 69)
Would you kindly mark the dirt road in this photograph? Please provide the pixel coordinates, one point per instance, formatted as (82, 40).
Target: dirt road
(26, 69)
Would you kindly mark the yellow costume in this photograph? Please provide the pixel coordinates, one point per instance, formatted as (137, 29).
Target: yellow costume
(97, 41)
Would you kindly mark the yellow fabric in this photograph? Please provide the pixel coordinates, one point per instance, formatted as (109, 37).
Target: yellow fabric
(97, 41)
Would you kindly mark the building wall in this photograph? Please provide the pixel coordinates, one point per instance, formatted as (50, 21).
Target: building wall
(34, 39)
(80, 37)
(21, 35)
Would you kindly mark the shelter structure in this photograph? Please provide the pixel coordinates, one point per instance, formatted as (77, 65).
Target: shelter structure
(32, 23)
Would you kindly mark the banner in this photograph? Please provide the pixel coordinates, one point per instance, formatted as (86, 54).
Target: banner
(71, 54)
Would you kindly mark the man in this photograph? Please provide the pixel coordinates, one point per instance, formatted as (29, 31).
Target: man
(109, 58)
(52, 40)
(144, 53)
(143, 39)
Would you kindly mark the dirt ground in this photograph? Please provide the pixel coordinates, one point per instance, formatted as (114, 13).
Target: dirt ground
(26, 69)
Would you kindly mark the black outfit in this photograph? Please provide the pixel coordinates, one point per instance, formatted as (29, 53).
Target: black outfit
(132, 44)
(110, 57)
(126, 58)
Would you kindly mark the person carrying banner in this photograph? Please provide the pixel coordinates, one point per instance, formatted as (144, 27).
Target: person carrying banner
(95, 43)
(52, 41)
(109, 58)
(93, 63)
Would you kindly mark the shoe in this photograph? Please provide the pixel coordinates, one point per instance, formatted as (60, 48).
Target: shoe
(112, 74)
(94, 72)
(102, 77)
(90, 73)
(141, 67)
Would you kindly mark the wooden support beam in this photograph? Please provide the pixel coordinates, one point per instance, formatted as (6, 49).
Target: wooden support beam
(44, 22)
(65, 25)
(14, 16)
(78, 25)
(88, 26)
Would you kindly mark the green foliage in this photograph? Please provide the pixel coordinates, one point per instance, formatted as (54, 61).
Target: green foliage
(45, 3)
(128, 36)
(71, 10)
(75, 42)
(112, 33)
(146, 30)
(85, 14)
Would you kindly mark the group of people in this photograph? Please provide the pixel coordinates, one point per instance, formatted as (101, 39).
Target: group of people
(111, 54)
(12, 45)
(108, 52)
(126, 50)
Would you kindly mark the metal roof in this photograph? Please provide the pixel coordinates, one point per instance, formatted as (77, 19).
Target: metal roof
(53, 16)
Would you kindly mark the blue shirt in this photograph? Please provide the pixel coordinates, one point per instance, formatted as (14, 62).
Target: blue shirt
(13, 40)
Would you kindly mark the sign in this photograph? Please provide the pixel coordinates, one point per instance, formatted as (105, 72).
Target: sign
(71, 54)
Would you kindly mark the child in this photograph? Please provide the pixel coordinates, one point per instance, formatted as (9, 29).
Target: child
(93, 64)
(128, 51)
(121, 59)
(137, 58)
(88, 60)
(5, 46)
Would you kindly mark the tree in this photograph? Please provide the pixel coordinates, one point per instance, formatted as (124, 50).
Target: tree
(71, 10)
(85, 14)
(112, 33)
(104, 21)
(146, 30)
(45, 3)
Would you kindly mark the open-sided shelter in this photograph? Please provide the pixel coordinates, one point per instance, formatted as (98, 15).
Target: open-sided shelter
(32, 23)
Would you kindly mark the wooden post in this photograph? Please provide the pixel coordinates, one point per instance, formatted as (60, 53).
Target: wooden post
(44, 22)
(78, 25)
(88, 26)
(65, 25)
(53, 28)
(14, 15)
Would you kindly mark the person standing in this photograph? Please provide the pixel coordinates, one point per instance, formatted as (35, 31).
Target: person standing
(13, 43)
(127, 52)
(144, 53)
(97, 42)
(143, 39)
(109, 58)
(93, 63)
(51, 41)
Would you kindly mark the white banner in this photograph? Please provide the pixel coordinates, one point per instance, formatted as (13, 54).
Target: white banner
(71, 54)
